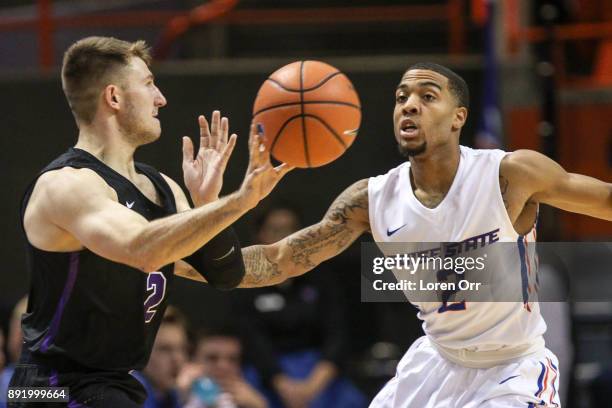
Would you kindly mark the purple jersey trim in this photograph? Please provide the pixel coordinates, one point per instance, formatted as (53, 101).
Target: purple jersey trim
(53, 379)
(57, 317)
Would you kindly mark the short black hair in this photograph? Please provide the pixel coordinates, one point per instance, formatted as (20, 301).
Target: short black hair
(456, 84)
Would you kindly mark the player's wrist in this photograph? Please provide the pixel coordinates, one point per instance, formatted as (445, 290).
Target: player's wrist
(247, 197)
(200, 201)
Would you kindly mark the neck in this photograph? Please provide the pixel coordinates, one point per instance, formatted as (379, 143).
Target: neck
(434, 172)
(109, 146)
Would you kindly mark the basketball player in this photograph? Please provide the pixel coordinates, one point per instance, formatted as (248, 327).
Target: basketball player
(485, 355)
(104, 239)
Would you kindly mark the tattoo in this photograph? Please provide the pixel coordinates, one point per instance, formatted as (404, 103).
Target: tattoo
(503, 186)
(260, 270)
(345, 220)
(334, 232)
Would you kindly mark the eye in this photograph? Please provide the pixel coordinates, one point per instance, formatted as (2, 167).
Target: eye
(401, 98)
(429, 97)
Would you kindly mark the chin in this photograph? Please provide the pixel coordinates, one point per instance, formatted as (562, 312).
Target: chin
(411, 150)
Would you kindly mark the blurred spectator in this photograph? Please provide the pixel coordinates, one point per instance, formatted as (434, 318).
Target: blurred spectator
(296, 333)
(168, 357)
(215, 375)
(14, 340)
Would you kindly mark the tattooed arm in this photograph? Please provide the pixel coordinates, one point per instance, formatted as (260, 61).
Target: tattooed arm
(527, 177)
(344, 222)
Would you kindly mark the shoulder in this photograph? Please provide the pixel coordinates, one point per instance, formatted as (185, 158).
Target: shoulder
(59, 195)
(522, 164)
(357, 191)
(69, 183)
(355, 195)
(351, 203)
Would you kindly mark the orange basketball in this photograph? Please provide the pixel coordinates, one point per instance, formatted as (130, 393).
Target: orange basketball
(310, 113)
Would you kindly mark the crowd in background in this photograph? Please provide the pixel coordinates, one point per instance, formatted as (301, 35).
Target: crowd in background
(292, 345)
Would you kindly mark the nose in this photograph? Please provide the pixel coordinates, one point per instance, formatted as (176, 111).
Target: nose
(160, 99)
(411, 106)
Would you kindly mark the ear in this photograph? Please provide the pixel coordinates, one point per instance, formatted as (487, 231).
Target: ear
(460, 118)
(112, 96)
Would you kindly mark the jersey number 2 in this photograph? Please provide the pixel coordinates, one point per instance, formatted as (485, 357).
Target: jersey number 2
(447, 306)
(156, 284)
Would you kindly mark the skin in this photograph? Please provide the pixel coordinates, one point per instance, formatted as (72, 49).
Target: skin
(167, 358)
(72, 209)
(527, 178)
(219, 358)
(15, 336)
(278, 224)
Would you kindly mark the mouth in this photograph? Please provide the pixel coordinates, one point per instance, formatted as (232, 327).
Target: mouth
(408, 128)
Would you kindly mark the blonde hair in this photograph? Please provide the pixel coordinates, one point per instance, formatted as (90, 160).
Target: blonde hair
(90, 64)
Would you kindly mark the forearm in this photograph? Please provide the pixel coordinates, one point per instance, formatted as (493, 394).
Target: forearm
(344, 222)
(169, 239)
(262, 267)
(582, 194)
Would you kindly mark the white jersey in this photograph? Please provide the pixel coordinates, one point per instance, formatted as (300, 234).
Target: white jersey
(473, 207)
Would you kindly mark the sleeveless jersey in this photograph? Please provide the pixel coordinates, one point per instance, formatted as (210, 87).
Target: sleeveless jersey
(473, 207)
(89, 312)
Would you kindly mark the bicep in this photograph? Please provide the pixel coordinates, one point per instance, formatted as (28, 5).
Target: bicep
(345, 220)
(80, 203)
(551, 184)
(577, 193)
(108, 229)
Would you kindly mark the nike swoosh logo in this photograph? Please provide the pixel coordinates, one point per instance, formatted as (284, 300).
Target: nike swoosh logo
(389, 233)
(226, 255)
(129, 205)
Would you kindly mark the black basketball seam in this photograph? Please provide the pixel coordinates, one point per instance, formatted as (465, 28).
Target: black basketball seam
(333, 132)
(323, 81)
(282, 105)
(304, 135)
(278, 134)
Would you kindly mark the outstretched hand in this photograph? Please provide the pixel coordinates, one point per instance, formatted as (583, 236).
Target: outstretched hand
(261, 176)
(203, 174)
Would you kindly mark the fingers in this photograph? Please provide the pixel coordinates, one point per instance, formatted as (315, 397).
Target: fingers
(204, 132)
(224, 131)
(187, 150)
(227, 151)
(215, 127)
(283, 169)
(253, 148)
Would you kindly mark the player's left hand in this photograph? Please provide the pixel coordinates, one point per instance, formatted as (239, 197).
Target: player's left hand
(203, 174)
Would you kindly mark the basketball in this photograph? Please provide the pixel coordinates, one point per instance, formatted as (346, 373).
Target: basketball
(310, 113)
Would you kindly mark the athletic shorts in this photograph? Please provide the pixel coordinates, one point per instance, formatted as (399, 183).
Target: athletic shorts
(86, 388)
(425, 379)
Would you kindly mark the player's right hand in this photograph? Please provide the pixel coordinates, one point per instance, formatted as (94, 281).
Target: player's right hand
(261, 177)
(203, 174)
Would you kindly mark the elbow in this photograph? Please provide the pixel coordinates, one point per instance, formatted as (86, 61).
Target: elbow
(147, 264)
(141, 256)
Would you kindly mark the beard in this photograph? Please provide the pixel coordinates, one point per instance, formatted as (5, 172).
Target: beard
(136, 131)
(408, 152)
